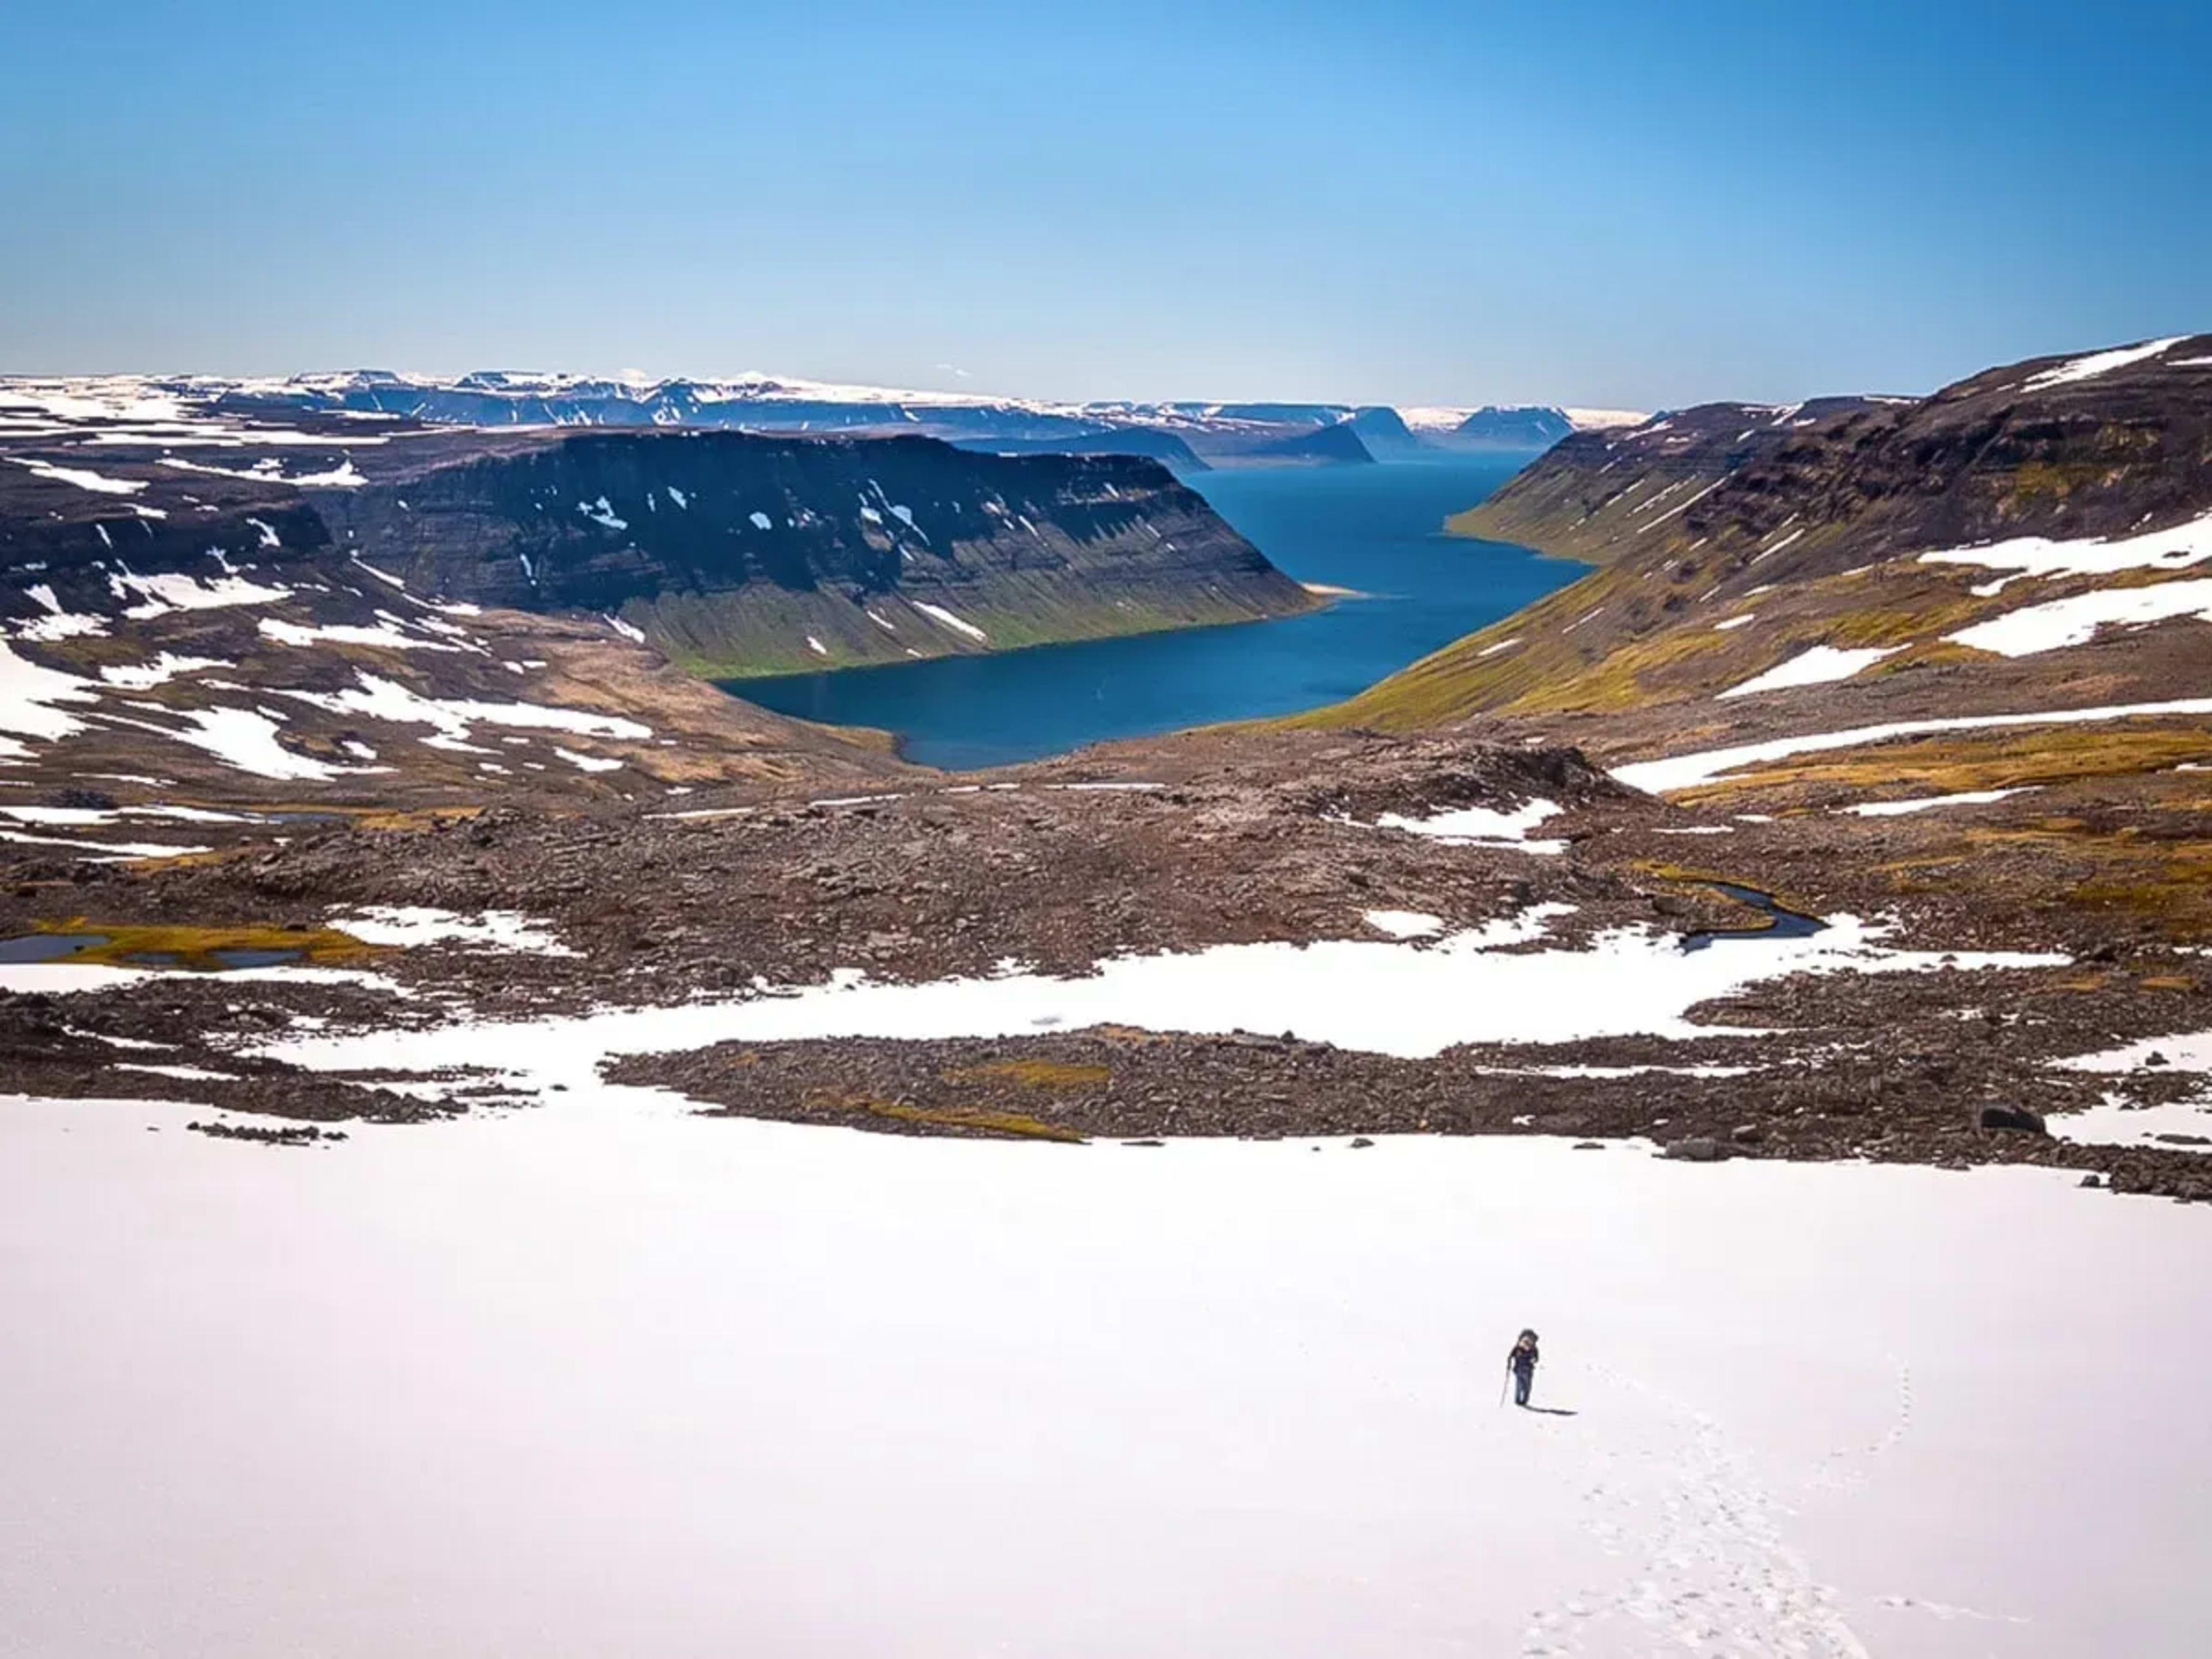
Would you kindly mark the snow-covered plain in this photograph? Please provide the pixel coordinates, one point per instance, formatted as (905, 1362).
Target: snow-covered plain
(611, 1378)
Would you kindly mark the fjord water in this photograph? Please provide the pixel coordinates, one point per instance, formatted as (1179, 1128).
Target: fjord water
(1375, 529)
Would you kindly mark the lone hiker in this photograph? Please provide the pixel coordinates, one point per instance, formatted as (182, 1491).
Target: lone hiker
(1521, 1360)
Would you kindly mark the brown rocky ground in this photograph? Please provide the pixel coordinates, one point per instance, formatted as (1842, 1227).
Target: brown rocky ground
(1242, 839)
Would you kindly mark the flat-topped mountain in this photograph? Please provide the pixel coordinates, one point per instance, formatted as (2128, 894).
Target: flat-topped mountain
(739, 554)
(1188, 435)
(1530, 427)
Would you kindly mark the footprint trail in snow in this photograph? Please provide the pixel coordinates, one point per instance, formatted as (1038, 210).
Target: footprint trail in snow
(1708, 1570)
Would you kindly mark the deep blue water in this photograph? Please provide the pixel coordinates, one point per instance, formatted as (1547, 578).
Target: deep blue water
(1373, 528)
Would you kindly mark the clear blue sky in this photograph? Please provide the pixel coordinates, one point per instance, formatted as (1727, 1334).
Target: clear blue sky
(1635, 203)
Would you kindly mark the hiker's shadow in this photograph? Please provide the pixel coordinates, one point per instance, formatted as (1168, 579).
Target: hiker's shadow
(1551, 1410)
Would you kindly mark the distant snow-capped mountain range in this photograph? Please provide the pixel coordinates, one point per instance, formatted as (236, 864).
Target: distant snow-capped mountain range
(1188, 435)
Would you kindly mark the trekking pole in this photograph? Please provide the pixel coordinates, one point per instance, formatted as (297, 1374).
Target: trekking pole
(1505, 1382)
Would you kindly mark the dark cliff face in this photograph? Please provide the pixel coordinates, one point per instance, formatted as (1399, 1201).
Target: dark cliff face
(2012, 450)
(736, 553)
(1594, 492)
(596, 519)
(2006, 453)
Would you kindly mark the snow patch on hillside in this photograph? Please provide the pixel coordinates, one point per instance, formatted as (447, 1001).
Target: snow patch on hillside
(103, 852)
(384, 633)
(454, 718)
(1482, 826)
(245, 738)
(417, 925)
(2099, 362)
(1679, 772)
(2175, 548)
(1898, 809)
(32, 696)
(82, 477)
(343, 475)
(2059, 623)
(145, 676)
(1819, 664)
(173, 590)
(953, 622)
(588, 763)
(1404, 924)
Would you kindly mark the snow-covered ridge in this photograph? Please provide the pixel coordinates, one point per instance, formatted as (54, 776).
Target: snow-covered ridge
(2098, 363)
(177, 409)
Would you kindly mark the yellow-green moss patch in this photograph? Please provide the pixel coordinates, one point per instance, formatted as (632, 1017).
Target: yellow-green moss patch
(130, 943)
(1034, 1073)
(976, 1120)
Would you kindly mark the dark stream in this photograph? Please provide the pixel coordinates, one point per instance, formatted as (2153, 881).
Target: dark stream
(1783, 922)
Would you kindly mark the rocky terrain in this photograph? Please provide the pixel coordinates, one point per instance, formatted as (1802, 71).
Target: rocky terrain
(338, 826)
(1732, 538)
